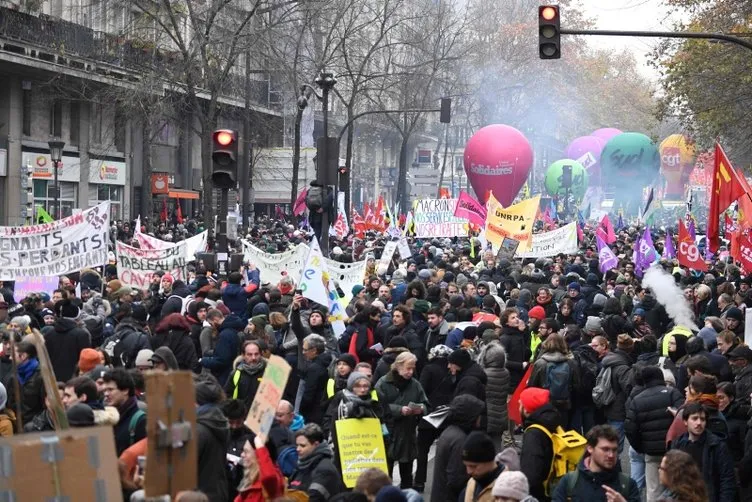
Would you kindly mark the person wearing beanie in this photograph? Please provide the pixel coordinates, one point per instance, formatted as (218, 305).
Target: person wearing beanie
(113, 286)
(345, 364)
(213, 434)
(7, 416)
(479, 458)
(512, 486)
(537, 448)
(80, 415)
(65, 340)
(129, 336)
(88, 360)
(396, 346)
(143, 360)
(449, 474)
(735, 321)
(469, 377)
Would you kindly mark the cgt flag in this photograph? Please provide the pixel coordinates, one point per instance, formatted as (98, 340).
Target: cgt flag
(726, 189)
(688, 254)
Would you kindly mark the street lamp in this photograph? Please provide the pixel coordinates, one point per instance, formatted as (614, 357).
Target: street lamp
(56, 154)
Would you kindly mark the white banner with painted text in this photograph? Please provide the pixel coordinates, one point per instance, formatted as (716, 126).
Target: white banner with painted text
(547, 244)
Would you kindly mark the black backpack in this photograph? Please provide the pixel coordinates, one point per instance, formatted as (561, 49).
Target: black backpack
(587, 364)
(315, 197)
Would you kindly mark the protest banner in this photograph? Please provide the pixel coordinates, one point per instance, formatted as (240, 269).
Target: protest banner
(136, 267)
(56, 248)
(470, 209)
(317, 285)
(28, 285)
(386, 255)
(515, 222)
(562, 240)
(261, 414)
(404, 249)
(360, 444)
(195, 244)
(435, 218)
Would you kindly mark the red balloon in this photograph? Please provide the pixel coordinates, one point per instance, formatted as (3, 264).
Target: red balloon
(498, 158)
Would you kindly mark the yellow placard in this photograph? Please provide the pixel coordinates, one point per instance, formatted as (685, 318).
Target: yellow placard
(361, 446)
(515, 222)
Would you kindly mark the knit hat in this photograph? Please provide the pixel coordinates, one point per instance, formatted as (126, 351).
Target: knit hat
(424, 274)
(421, 306)
(348, 359)
(138, 312)
(397, 341)
(357, 289)
(354, 377)
(80, 415)
(735, 313)
(533, 398)
(88, 360)
(461, 358)
(489, 335)
(66, 309)
(510, 458)
(511, 485)
(439, 351)
(114, 285)
(574, 285)
(208, 390)
(98, 372)
(537, 312)
(390, 493)
(638, 311)
(599, 300)
(593, 323)
(168, 277)
(47, 313)
(398, 277)
(478, 447)
(143, 358)
(741, 352)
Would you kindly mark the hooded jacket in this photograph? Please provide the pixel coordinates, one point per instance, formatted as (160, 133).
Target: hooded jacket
(93, 315)
(621, 381)
(493, 361)
(315, 388)
(226, 349)
(471, 380)
(235, 297)
(648, 419)
(174, 332)
(213, 438)
(168, 357)
(64, 342)
(537, 449)
(174, 303)
(316, 475)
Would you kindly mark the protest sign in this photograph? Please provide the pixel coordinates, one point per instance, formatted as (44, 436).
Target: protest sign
(515, 222)
(195, 244)
(562, 240)
(56, 248)
(28, 285)
(404, 249)
(360, 443)
(317, 285)
(136, 267)
(470, 209)
(261, 414)
(386, 255)
(607, 260)
(435, 218)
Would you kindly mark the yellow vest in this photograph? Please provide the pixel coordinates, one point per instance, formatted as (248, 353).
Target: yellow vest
(330, 390)
(534, 342)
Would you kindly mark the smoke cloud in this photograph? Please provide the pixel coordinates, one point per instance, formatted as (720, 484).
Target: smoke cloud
(668, 294)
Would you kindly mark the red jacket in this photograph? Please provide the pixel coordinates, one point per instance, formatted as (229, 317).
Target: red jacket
(269, 485)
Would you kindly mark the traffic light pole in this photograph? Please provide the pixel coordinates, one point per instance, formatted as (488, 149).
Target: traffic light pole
(222, 237)
(662, 34)
(325, 173)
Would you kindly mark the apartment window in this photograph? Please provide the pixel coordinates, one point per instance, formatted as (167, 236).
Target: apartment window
(75, 122)
(44, 195)
(120, 123)
(113, 193)
(56, 119)
(26, 98)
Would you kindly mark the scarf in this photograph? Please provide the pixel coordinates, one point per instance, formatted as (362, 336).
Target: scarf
(322, 450)
(253, 368)
(26, 369)
(353, 406)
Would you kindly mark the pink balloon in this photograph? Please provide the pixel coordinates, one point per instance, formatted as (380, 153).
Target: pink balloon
(498, 158)
(587, 148)
(606, 133)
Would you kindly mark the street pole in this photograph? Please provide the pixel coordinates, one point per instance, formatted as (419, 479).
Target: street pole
(246, 177)
(325, 173)
(56, 156)
(223, 261)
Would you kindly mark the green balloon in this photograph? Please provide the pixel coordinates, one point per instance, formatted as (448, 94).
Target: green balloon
(555, 176)
(630, 155)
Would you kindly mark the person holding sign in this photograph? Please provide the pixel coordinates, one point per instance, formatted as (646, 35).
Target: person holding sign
(261, 477)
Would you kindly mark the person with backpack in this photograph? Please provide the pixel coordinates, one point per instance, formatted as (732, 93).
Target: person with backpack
(556, 370)
(174, 332)
(220, 360)
(597, 477)
(120, 392)
(614, 384)
(178, 299)
(540, 421)
(582, 416)
(129, 338)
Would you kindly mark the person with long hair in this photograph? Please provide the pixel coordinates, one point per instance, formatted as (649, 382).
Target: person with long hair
(261, 477)
(701, 389)
(681, 479)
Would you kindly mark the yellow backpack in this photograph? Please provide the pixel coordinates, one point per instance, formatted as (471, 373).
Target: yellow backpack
(569, 447)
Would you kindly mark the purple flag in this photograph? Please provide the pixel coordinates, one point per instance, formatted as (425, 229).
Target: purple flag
(636, 258)
(607, 260)
(691, 229)
(647, 254)
(668, 249)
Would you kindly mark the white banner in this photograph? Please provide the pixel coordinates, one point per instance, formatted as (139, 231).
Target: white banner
(435, 218)
(60, 247)
(195, 244)
(386, 255)
(317, 285)
(136, 267)
(547, 244)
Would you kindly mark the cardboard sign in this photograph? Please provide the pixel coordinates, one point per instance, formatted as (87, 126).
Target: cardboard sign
(28, 285)
(261, 415)
(436, 218)
(361, 446)
(404, 249)
(56, 248)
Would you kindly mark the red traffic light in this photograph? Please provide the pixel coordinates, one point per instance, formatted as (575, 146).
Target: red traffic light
(224, 137)
(548, 12)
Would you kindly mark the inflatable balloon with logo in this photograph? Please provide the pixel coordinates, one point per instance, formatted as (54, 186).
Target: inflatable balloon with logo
(605, 134)
(677, 162)
(587, 151)
(555, 177)
(630, 157)
(498, 159)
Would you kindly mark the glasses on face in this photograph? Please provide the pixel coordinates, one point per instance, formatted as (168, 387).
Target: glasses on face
(364, 385)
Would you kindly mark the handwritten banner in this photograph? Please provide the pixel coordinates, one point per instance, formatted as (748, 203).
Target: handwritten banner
(56, 248)
(136, 267)
(562, 240)
(436, 218)
(261, 414)
(361, 446)
(195, 244)
(470, 209)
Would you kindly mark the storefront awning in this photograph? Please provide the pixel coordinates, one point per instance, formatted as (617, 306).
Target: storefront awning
(176, 193)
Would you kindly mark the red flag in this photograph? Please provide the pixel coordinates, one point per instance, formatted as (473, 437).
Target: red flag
(180, 213)
(687, 252)
(744, 219)
(513, 407)
(163, 215)
(443, 193)
(379, 214)
(726, 189)
(340, 227)
(299, 207)
(606, 230)
(745, 253)
(580, 233)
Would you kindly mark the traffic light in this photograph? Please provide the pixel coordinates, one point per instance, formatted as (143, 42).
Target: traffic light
(549, 32)
(224, 158)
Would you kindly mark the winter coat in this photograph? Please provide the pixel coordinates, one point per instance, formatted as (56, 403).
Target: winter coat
(317, 475)
(589, 487)
(235, 297)
(743, 384)
(717, 466)
(539, 375)
(128, 339)
(363, 343)
(270, 483)
(32, 395)
(345, 405)
(414, 342)
(397, 393)
(385, 363)
(123, 437)
(302, 330)
(226, 348)
(437, 336)
(648, 419)
(621, 381)
(438, 385)
(736, 421)
(213, 434)
(315, 388)
(517, 351)
(537, 449)
(248, 381)
(614, 325)
(93, 316)
(493, 361)
(174, 302)
(471, 380)
(7, 423)
(64, 342)
(174, 332)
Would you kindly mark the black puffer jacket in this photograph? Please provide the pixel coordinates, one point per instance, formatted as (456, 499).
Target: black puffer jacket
(517, 351)
(537, 449)
(736, 420)
(493, 361)
(123, 346)
(621, 381)
(315, 389)
(437, 383)
(471, 380)
(64, 342)
(174, 332)
(648, 419)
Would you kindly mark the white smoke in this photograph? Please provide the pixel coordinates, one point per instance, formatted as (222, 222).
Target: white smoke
(668, 294)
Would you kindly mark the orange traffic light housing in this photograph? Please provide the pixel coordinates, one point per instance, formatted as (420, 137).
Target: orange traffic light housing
(549, 32)
(224, 158)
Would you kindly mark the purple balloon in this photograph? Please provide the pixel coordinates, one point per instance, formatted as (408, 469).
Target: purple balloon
(606, 133)
(581, 147)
